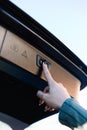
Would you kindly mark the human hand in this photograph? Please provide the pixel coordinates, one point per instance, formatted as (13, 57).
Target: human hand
(55, 93)
(41, 102)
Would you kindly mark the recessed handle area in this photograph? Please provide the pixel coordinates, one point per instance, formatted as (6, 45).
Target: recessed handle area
(40, 60)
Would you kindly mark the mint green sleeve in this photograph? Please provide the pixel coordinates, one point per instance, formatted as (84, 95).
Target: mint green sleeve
(72, 114)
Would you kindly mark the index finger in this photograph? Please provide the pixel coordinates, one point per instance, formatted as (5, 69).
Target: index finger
(47, 73)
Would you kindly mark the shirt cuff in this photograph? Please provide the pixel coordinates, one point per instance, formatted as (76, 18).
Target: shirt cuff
(72, 114)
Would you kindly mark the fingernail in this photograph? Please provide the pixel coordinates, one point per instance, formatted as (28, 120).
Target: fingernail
(44, 62)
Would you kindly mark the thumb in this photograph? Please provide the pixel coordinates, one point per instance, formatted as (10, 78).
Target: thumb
(41, 95)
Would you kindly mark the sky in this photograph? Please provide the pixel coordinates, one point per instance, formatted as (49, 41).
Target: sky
(67, 20)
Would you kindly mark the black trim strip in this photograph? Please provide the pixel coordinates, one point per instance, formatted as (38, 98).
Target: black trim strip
(21, 74)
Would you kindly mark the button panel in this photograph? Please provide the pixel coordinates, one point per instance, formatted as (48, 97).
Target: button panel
(19, 52)
(24, 55)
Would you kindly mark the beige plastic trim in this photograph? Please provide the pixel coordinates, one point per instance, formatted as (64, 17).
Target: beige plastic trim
(23, 54)
(2, 34)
